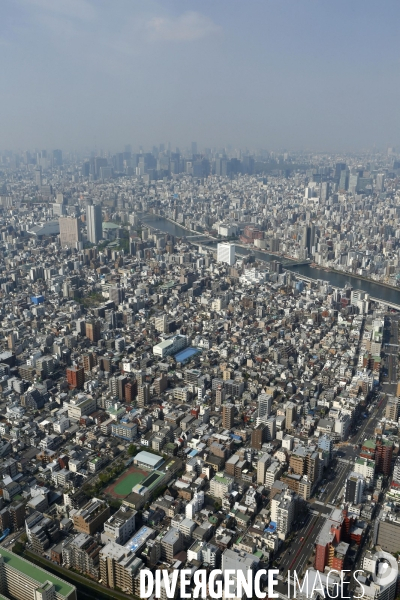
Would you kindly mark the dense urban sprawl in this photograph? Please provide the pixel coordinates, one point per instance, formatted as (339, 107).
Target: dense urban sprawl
(173, 401)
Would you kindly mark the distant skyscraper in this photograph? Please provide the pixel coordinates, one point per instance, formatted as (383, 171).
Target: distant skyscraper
(116, 294)
(226, 253)
(312, 238)
(194, 147)
(338, 169)
(94, 223)
(221, 167)
(324, 190)
(57, 158)
(38, 176)
(12, 338)
(106, 173)
(305, 236)
(308, 237)
(354, 488)
(70, 233)
(343, 180)
(59, 210)
(380, 181)
(353, 182)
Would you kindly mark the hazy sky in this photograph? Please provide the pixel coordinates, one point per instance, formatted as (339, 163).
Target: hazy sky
(313, 74)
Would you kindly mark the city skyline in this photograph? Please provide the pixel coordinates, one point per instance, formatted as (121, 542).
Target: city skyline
(200, 299)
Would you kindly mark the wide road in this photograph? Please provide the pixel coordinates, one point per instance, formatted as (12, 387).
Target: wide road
(346, 455)
(333, 488)
(302, 546)
(300, 550)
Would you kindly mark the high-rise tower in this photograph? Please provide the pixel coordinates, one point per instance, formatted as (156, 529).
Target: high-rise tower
(94, 223)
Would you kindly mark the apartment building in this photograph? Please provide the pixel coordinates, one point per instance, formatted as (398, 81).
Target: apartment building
(170, 346)
(91, 516)
(81, 405)
(21, 579)
(119, 568)
(171, 544)
(119, 527)
(126, 431)
(262, 465)
(82, 554)
(220, 485)
(305, 461)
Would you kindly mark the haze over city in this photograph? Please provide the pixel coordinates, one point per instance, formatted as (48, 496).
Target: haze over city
(199, 299)
(263, 74)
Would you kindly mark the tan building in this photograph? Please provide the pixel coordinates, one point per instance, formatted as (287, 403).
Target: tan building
(91, 516)
(262, 465)
(93, 331)
(305, 461)
(119, 568)
(143, 395)
(298, 464)
(81, 405)
(70, 233)
(392, 409)
(82, 554)
(160, 384)
(228, 412)
(291, 414)
(220, 396)
(171, 544)
(227, 374)
(298, 484)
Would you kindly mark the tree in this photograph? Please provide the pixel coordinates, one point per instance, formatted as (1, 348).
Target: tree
(18, 548)
(132, 450)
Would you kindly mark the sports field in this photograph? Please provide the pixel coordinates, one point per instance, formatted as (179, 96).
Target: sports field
(122, 487)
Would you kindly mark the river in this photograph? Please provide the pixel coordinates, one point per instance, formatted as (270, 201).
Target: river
(375, 290)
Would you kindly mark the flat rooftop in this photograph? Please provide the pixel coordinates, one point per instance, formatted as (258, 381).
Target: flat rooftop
(139, 538)
(186, 354)
(35, 573)
(147, 458)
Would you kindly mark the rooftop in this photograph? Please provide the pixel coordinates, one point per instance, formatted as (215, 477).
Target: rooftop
(148, 458)
(34, 572)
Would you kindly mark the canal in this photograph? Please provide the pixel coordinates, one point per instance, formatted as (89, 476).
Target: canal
(375, 290)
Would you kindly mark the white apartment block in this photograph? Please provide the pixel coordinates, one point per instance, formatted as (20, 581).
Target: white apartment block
(273, 473)
(170, 346)
(365, 467)
(119, 527)
(220, 485)
(195, 505)
(226, 253)
(81, 405)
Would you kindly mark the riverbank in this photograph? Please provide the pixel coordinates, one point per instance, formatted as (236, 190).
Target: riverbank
(378, 291)
(361, 278)
(184, 227)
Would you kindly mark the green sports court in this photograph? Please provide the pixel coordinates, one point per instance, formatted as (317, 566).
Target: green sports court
(122, 487)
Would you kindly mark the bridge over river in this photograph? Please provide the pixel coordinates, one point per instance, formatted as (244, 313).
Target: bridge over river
(388, 296)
